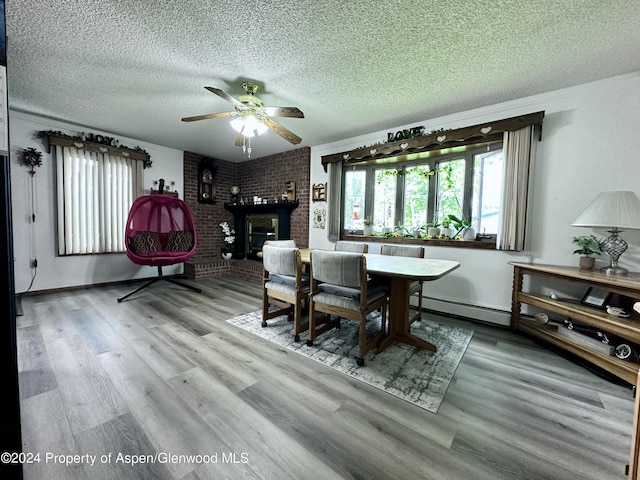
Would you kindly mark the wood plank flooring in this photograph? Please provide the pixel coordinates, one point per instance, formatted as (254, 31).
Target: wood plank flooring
(163, 374)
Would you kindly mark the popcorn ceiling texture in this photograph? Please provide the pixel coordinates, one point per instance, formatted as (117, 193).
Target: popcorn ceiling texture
(135, 68)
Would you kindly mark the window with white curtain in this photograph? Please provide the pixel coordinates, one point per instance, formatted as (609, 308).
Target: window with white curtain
(479, 174)
(94, 193)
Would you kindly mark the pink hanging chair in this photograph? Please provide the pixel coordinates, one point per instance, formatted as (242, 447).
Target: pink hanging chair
(160, 231)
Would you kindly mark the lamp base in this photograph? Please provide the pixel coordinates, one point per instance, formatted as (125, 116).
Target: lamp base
(614, 270)
(614, 246)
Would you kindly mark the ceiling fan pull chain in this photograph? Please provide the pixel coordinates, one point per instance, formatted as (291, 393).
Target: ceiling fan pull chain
(248, 147)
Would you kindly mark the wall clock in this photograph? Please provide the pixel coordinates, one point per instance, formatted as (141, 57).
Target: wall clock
(206, 177)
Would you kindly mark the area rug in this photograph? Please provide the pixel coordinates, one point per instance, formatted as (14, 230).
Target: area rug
(417, 376)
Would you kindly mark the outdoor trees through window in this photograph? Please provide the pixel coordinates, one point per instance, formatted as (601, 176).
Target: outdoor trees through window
(413, 194)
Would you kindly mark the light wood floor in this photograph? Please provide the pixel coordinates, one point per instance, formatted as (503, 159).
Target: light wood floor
(163, 373)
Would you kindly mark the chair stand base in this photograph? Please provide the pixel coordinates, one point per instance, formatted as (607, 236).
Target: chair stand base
(157, 279)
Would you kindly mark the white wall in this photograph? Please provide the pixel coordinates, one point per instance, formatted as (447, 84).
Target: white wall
(588, 146)
(38, 239)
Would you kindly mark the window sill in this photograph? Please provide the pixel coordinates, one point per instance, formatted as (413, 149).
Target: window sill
(489, 244)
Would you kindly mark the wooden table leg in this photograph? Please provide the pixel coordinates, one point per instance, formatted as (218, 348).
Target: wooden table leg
(399, 322)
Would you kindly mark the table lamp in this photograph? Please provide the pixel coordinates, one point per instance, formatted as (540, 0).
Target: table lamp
(614, 211)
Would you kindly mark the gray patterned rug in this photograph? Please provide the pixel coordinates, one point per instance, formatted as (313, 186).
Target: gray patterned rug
(418, 376)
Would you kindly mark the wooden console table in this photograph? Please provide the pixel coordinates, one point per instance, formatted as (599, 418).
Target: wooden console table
(626, 328)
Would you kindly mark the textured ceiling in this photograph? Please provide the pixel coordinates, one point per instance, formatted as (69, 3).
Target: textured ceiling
(135, 68)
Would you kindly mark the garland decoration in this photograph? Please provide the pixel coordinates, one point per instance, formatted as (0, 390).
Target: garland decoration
(96, 139)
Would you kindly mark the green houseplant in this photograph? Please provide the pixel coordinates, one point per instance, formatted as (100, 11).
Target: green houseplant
(368, 227)
(589, 245)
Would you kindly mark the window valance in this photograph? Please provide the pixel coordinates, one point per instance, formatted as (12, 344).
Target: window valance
(480, 133)
(68, 141)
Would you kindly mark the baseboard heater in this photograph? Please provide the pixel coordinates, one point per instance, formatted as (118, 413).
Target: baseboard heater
(467, 311)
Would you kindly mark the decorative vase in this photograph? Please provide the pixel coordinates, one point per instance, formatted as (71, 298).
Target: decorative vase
(587, 262)
(227, 255)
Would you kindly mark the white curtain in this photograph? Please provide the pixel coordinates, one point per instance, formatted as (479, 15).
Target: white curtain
(517, 148)
(335, 201)
(94, 193)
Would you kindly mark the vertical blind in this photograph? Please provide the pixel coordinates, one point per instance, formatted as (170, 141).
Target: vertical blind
(94, 193)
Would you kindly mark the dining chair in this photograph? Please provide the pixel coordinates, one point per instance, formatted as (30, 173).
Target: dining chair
(284, 286)
(339, 287)
(281, 243)
(415, 287)
(355, 247)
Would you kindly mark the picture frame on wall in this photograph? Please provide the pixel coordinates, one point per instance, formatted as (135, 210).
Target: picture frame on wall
(596, 297)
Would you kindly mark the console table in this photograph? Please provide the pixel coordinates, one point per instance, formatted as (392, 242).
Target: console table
(626, 328)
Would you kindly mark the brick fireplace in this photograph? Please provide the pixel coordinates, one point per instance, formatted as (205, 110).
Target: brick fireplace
(256, 223)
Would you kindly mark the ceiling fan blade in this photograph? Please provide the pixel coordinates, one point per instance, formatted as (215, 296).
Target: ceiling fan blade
(225, 95)
(239, 140)
(209, 115)
(284, 112)
(288, 135)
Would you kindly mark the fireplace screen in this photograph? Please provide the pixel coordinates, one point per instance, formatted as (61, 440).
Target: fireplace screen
(259, 230)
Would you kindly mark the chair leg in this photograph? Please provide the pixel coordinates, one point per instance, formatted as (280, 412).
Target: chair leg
(157, 279)
(177, 282)
(150, 282)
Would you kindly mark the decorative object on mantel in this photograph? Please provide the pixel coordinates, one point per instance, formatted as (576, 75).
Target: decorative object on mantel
(94, 143)
(477, 134)
(612, 210)
(235, 191)
(31, 158)
(290, 192)
(589, 245)
(227, 244)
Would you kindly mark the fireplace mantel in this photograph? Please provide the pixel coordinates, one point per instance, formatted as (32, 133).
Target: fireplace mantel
(281, 209)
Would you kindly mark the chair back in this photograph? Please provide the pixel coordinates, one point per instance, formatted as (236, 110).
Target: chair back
(160, 231)
(402, 250)
(356, 247)
(280, 260)
(281, 243)
(338, 268)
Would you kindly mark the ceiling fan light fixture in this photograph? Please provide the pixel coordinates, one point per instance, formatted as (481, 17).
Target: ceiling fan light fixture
(249, 126)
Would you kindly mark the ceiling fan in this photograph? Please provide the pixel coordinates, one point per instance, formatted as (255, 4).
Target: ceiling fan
(252, 117)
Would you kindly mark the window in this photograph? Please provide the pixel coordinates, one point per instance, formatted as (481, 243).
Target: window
(94, 193)
(414, 193)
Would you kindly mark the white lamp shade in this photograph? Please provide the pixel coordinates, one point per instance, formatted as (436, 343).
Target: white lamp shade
(249, 126)
(620, 209)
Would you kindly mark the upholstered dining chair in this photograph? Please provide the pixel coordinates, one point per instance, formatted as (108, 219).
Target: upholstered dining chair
(284, 286)
(281, 243)
(415, 287)
(356, 247)
(339, 287)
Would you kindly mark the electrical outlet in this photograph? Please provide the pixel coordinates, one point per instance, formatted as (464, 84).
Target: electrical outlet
(34, 263)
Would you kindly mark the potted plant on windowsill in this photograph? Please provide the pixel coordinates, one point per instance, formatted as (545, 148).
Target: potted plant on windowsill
(368, 227)
(463, 228)
(446, 231)
(589, 245)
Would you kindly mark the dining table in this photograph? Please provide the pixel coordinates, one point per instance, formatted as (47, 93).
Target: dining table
(401, 271)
